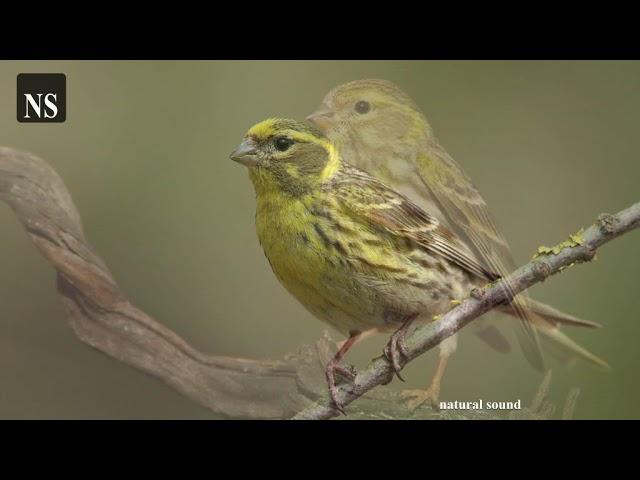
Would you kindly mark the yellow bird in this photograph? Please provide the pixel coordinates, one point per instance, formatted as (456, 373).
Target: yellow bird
(357, 254)
(380, 129)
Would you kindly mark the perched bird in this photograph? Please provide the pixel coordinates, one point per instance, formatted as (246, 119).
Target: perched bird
(356, 253)
(380, 129)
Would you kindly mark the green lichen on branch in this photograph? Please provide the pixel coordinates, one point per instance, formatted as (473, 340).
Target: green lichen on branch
(573, 241)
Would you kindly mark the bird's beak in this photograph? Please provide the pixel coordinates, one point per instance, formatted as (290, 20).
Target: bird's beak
(245, 153)
(322, 118)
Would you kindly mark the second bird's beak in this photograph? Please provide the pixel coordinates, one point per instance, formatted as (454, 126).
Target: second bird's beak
(245, 153)
(322, 118)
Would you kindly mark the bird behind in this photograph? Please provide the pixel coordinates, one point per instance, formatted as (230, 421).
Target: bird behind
(379, 128)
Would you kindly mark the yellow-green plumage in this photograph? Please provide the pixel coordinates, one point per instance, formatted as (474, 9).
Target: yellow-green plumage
(392, 140)
(355, 253)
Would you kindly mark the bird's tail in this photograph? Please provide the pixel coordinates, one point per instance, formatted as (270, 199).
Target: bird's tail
(547, 321)
(556, 317)
(566, 350)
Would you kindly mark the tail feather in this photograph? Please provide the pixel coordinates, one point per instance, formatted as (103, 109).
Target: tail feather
(547, 320)
(555, 316)
(554, 340)
(552, 315)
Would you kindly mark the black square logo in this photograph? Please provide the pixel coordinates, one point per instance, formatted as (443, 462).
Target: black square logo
(42, 98)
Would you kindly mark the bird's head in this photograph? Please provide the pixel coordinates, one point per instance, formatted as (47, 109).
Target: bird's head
(286, 155)
(369, 112)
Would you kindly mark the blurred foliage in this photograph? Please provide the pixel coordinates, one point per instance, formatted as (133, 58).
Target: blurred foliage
(145, 150)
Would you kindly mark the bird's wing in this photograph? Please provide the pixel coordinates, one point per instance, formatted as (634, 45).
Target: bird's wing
(469, 216)
(464, 207)
(381, 208)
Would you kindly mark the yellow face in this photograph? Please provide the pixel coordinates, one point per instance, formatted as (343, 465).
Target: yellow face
(286, 154)
(366, 111)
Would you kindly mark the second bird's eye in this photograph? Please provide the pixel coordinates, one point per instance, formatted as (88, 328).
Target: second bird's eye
(362, 107)
(283, 143)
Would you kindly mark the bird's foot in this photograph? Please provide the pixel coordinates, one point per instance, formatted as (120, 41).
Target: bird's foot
(395, 350)
(415, 398)
(347, 372)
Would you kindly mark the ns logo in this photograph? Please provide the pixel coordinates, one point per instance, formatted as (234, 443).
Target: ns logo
(42, 97)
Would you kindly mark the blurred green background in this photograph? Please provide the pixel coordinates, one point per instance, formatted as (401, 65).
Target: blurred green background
(144, 152)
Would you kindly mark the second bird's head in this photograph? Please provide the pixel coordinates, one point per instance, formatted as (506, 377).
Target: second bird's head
(370, 114)
(286, 155)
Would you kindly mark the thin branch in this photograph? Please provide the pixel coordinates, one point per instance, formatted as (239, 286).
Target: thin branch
(379, 372)
(101, 316)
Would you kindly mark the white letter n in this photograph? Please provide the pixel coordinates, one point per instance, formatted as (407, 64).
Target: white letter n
(34, 105)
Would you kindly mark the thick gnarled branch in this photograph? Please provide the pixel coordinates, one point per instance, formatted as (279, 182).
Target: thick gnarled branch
(102, 317)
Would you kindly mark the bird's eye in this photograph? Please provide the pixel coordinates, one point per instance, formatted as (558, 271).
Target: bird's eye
(362, 107)
(282, 143)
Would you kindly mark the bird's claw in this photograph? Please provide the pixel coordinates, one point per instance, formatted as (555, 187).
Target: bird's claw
(348, 372)
(415, 398)
(395, 349)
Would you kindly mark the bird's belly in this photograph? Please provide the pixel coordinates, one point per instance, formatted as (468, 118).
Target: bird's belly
(352, 289)
(315, 271)
(324, 288)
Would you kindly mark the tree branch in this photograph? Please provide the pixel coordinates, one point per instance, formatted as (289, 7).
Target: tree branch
(580, 248)
(101, 316)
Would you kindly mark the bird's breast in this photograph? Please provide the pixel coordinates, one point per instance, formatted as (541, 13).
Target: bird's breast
(285, 228)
